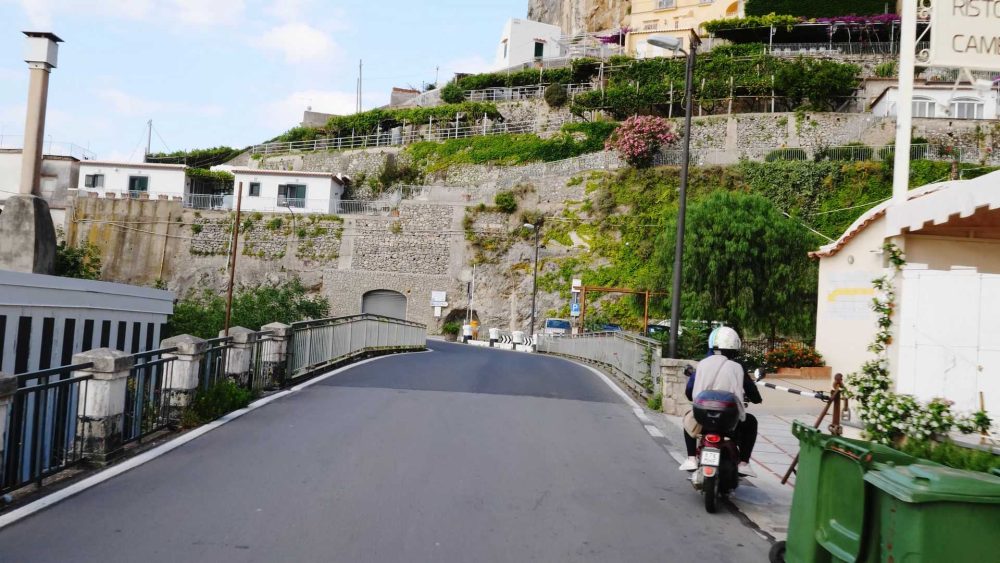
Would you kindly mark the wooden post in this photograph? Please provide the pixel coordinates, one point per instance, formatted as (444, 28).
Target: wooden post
(645, 315)
(583, 309)
(232, 259)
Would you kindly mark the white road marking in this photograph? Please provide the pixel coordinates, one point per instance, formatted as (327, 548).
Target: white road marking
(614, 387)
(654, 431)
(641, 415)
(145, 457)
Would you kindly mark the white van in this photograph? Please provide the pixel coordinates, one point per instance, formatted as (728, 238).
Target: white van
(557, 326)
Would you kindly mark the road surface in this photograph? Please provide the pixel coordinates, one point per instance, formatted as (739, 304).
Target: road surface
(457, 455)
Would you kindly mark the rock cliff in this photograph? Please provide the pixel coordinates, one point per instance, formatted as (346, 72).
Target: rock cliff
(577, 16)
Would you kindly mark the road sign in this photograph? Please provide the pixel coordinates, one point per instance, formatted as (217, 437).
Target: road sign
(439, 299)
(965, 34)
(574, 310)
(577, 283)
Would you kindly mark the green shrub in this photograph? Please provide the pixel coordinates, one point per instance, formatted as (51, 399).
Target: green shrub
(947, 453)
(887, 69)
(81, 262)
(848, 152)
(655, 402)
(274, 224)
(301, 232)
(555, 95)
(452, 93)
(451, 328)
(196, 228)
(505, 202)
(786, 154)
(220, 399)
(816, 8)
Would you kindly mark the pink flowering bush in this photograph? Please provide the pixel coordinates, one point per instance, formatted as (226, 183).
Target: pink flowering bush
(639, 138)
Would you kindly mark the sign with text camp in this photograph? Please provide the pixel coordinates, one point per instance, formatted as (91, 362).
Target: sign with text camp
(965, 34)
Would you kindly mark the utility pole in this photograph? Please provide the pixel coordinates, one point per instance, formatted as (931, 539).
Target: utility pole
(149, 140)
(232, 258)
(437, 74)
(360, 82)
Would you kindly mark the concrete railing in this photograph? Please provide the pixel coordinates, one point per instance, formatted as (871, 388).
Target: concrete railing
(90, 410)
(635, 360)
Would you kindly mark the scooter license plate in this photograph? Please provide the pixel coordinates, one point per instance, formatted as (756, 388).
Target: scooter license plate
(710, 458)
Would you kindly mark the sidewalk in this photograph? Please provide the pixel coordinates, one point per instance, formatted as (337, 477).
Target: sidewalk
(763, 499)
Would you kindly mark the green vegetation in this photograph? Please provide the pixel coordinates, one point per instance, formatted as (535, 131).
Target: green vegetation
(753, 22)
(786, 154)
(527, 77)
(209, 404)
(452, 93)
(655, 402)
(369, 122)
(81, 262)
(451, 328)
(210, 175)
(274, 224)
(574, 139)
(888, 69)
(555, 95)
(947, 453)
(202, 314)
(505, 202)
(197, 158)
(816, 8)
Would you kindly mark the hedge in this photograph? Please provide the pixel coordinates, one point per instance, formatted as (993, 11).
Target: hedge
(817, 8)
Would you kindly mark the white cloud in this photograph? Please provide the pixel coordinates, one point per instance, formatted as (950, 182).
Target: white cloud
(131, 105)
(299, 43)
(288, 10)
(206, 12)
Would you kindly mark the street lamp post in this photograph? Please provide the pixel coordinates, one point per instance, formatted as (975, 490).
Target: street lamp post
(675, 44)
(534, 279)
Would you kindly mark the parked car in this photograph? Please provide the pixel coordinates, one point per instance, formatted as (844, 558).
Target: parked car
(611, 328)
(658, 332)
(557, 326)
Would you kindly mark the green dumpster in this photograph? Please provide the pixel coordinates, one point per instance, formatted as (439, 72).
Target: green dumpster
(829, 505)
(923, 513)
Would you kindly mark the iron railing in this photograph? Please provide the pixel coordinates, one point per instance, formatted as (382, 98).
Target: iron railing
(42, 435)
(633, 359)
(319, 344)
(146, 411)
(514, 93)
(214, 361)
(266, 366)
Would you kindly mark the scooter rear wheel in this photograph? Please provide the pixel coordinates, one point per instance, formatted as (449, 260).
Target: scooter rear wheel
(777, 554)
(710, 488)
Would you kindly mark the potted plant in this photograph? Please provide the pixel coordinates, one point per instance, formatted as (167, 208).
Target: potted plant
(450, 330)
(795, 359)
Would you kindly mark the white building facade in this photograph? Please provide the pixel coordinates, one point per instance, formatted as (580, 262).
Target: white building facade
(132, 179)
(281, 190)
(942, 101)
(526, 41)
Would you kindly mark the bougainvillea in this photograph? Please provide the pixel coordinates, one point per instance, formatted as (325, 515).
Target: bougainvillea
(640, 137)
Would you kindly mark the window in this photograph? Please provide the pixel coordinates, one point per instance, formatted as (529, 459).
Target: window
(93, 181)
(254, 189)
(665, 4)
(505, 48)
(539, 49)
(967, 108)
(923, 107)
(138, 183)
(650, 25)
(291, 195)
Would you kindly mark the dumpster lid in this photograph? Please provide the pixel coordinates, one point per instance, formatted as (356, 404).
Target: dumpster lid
(919, 483)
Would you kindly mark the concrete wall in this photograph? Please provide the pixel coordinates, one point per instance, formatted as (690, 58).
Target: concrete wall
(59, 176)
(167, 179)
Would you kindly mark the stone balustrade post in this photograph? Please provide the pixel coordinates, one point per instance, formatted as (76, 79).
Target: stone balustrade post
(673, 382)
(101, 403)
(183, 374)
(239, 354)
(275, 356)
(8, 386)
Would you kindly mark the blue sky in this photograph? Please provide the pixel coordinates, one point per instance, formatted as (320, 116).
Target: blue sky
(230, 72)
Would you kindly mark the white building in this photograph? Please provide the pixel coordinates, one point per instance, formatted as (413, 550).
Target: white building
(941, 101)
(132, 178)
(281, 190)
(946, 333)
(526, 41)
(59, 175)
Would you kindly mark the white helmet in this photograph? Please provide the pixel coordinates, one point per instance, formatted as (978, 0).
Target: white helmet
(724, 338)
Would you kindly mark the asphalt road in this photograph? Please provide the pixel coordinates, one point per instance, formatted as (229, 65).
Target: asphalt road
(458, 455)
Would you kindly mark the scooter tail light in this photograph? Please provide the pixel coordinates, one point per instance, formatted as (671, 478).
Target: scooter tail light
(713, 438)
(709, 471)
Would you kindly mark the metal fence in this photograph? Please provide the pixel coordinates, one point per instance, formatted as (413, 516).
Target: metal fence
(633, 359)
(47, 425)
(318, 344)
(42, 437)
(514, 93)
(835, 49)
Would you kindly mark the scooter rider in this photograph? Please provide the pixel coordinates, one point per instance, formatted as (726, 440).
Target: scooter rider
(720, 372)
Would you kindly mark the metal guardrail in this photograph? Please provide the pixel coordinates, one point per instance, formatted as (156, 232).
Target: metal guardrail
(145, 409)
(42, 437)
(319, 344)
(826, 49)
(633, 359)
(515, 93)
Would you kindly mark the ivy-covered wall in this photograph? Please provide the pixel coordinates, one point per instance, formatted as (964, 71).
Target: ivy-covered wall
(819, 8)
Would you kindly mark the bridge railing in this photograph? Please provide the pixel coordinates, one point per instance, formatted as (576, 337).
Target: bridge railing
(53, 419)
(632, 359)
(318, 344)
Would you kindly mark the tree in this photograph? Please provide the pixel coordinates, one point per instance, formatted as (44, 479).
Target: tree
(745, 264)
(452, 93)
(82, 262)
(640, 137)
(202, 314)
(555, 95)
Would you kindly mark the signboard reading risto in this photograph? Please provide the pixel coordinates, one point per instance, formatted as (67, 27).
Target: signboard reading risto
(965, 34)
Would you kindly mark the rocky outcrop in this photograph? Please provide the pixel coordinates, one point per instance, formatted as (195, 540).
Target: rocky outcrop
(578, 16)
